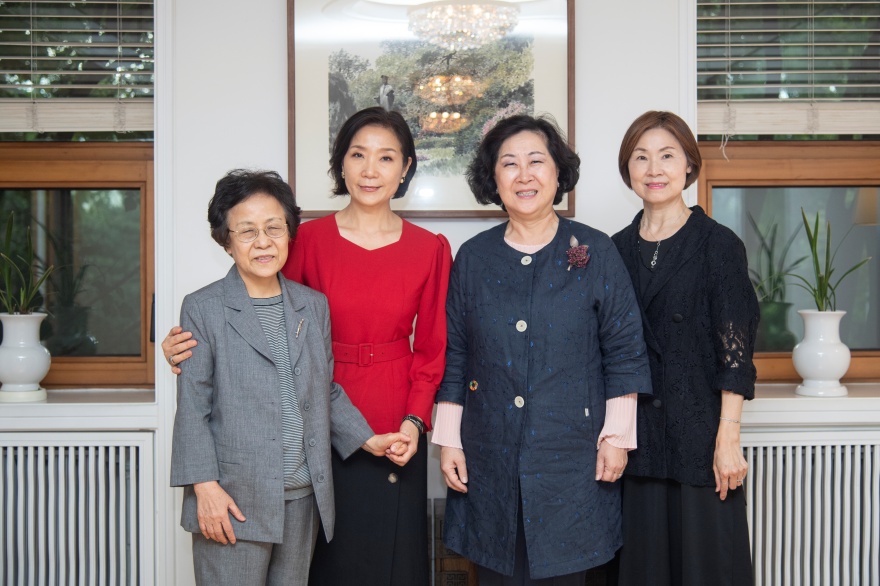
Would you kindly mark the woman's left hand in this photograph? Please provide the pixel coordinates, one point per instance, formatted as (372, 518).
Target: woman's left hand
(408, 428)
(610, 462)
(729, 466)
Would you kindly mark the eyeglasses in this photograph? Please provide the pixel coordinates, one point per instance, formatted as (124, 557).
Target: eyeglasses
(251, 234)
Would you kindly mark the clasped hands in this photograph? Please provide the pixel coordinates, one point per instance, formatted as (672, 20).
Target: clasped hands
(398, 447)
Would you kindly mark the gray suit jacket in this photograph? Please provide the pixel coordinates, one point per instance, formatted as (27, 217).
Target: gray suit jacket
(228, 421)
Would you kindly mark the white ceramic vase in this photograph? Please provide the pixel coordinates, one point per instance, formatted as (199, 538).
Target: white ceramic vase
(821, 358)
(24, 362)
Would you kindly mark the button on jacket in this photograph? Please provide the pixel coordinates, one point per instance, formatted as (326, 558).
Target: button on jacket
(534, 352)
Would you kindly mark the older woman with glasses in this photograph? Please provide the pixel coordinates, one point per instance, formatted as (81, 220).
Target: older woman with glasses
(257, 408)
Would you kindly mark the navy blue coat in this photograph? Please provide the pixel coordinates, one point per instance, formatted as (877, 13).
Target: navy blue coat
(534, 351)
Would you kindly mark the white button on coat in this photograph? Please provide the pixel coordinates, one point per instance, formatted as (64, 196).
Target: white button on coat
(521, 325)
(526, 260)
(519, 402)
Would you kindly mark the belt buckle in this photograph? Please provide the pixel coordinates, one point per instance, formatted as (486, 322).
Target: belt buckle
(365, 354)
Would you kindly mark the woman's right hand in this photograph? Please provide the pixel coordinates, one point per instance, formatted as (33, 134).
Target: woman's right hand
(176, 347)
(214, 506)
(454, 468)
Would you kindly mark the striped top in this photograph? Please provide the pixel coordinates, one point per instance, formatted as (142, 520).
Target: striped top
(296, 469)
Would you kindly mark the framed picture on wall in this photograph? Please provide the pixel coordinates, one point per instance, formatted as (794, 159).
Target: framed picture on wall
(345, 55)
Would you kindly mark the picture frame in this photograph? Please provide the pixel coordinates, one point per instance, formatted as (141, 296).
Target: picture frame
(343, 55)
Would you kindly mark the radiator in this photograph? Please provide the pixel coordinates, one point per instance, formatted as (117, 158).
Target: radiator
(814, 514)
(73, 508)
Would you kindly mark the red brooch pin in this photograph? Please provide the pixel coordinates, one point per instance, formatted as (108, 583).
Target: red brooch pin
(578, 255)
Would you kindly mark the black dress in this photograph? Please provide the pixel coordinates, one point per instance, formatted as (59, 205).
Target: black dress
(700, 316)
(367, 490)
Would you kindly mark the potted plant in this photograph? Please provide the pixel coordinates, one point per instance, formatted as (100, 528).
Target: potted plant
(768, 279)
(821, 358)
(24, 362)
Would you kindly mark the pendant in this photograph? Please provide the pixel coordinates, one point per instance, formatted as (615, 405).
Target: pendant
(654, 257)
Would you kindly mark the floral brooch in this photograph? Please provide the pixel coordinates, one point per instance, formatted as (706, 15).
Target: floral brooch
(578, 255)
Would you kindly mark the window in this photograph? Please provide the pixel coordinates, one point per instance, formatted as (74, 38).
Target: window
(76, 66)
(788, 67)
(769, 183)
(72, 73)
(90, 208)
(794, 70)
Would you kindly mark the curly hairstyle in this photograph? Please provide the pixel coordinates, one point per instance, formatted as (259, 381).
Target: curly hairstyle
(240, 184)
(481, 170)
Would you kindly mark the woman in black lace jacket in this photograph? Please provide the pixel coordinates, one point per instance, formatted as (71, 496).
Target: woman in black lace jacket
(684, 511)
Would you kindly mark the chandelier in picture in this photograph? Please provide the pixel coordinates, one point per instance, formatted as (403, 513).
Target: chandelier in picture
(444, 122)
(448, 90)
(458, 25)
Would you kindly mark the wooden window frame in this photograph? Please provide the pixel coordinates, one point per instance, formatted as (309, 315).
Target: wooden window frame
(756, 163)
(94, 166)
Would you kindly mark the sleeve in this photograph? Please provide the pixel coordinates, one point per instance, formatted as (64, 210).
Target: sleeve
(429, 342)
(620, 422)
(624, 356)
(348, 428)
(447, 427)
(193, 453)
(734, 315)
(452, 388)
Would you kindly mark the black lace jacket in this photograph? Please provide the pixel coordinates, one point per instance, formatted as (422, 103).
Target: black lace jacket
(700, 314)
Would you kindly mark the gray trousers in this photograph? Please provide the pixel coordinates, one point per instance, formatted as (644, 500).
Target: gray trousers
(258, 563)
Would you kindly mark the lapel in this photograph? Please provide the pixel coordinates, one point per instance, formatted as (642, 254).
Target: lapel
(243, 318)
(693, 234)
(295, 313)
(631, 260)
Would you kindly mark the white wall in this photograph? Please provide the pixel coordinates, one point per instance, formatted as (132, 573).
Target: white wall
(222, 103)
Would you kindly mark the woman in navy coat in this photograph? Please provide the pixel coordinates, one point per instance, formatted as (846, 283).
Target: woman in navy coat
(544, 333)
(684, 511)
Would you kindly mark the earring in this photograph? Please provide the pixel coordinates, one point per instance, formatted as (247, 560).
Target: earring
(343, 173)
(402, 179)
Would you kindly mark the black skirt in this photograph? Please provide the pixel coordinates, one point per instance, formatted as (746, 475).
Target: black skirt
(675, 534)
(381, 532)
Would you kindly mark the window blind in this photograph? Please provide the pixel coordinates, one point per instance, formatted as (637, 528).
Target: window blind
(788, 67)
(77, 65)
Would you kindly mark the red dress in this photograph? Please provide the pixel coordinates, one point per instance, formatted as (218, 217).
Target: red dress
(377, 297)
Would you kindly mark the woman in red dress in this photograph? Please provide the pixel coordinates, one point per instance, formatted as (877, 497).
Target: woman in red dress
(386, 281)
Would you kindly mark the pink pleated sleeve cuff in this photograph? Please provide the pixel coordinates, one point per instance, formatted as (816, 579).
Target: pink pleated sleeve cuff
(447, 426)
(620, 422)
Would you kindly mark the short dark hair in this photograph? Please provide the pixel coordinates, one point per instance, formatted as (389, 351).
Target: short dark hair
(481, 170)
(375, 116)
(669, 122)
(240, 184)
